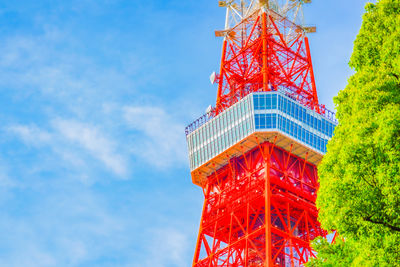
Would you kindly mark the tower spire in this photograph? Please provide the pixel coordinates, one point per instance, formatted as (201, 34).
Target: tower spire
(265, 48)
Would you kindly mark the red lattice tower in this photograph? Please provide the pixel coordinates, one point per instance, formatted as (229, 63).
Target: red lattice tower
(260, 180)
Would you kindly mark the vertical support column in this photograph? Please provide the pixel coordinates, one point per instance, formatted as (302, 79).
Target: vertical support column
(267, 219)
(198, 244)
(230, 248)
(314, 87)
(246, 251)
(264, 37)
(221, 76)
(289, 223)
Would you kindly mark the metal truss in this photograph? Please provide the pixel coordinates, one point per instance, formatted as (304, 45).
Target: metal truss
(265, 49)
(266, 182)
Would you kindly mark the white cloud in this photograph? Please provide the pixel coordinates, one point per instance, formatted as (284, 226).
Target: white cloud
(50, 67)
(161, 138)
(168, 247)
(30, 134)
(158, 139)
(70, 84)
(91, 139)
(66, 225)
(71, 140)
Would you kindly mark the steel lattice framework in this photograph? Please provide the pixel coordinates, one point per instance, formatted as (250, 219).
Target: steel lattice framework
(259, 207)
(264, 49)
(233, 230)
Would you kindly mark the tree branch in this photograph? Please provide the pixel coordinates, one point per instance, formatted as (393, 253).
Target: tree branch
(394, 228)
(395, 75)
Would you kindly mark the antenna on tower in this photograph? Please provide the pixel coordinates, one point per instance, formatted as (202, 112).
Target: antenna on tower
(213, 77)
(239, 10)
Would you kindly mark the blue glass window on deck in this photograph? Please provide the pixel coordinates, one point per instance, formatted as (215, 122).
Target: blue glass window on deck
(257, 121)
(319, 125)
(274, 96)
(268, 102)
(269, 121)
(262, 121)
(256, 102)
(263, 102)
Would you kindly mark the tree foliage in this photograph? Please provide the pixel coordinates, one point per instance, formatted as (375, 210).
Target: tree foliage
(359, 193)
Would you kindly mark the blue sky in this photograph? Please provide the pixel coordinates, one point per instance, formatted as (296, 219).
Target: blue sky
(95, 95)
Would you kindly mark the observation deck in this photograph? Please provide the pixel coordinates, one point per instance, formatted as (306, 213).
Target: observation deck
(272, 116)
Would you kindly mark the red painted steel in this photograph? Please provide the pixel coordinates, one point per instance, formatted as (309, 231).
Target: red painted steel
(233, 229)
(266, 52)
(259, 209)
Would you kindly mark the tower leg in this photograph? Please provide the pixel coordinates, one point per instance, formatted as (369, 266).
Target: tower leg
(267, 190)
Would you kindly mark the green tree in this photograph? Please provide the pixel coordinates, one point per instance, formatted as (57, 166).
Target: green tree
(359, 193)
